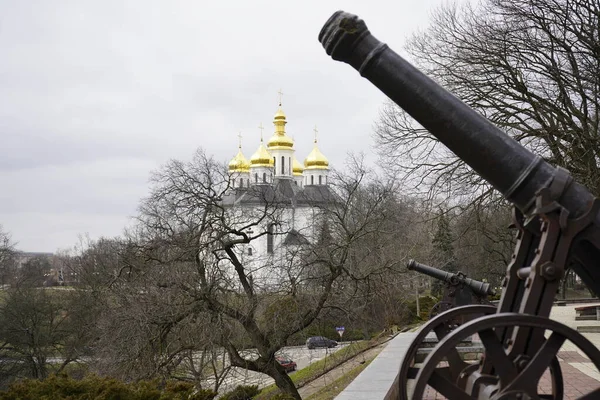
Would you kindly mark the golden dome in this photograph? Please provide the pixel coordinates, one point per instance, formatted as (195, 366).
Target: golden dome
(239, 163)
(316, 159)
(261, 158)
(297, 168)
(280, 140)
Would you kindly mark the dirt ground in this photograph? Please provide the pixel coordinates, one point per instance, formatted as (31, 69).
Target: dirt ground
(314, 386)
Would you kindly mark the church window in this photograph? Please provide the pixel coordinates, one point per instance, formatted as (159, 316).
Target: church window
(320, 180)
(296, 183)
(248, 182)
(242, 182)
(264, 177)
(312, 179)
(282, 165)
(270, 238)
(249, 251)
(290, 164)
(274, 166)
(255, 177)
(233, 183)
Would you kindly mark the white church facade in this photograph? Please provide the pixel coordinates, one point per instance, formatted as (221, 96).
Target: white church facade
(296, 194)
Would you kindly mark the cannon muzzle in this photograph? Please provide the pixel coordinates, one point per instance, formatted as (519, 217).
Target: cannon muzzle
(481, 289)
(506, 165)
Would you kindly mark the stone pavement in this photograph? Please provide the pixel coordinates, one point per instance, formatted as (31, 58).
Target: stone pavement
(579, 374)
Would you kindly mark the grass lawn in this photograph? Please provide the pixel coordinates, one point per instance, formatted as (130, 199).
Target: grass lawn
(332, 390)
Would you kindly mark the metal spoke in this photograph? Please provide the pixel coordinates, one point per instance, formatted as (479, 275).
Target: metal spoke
(412, 373)
(441, 330)
(558, 388)
(454, 360)
(446, 388)
(533, 372)
(495, 354)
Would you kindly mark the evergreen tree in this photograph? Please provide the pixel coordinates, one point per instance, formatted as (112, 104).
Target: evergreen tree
(443, 252)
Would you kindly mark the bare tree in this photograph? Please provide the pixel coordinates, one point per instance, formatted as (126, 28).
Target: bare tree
(7, 259)
(186, 283)
(41, 331)
(531, 66)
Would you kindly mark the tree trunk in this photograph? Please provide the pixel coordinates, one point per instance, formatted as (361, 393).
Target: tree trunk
(284, 382)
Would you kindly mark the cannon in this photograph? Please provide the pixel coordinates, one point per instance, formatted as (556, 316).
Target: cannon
(459, 291)
(557, 222)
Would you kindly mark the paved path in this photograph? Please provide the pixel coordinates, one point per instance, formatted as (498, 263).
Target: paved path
(374, 382)
(579, 374)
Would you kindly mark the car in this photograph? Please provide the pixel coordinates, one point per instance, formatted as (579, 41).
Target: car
(320, 341)
(286, 363)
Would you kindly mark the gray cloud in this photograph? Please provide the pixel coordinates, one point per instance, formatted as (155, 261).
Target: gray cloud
(95, 95)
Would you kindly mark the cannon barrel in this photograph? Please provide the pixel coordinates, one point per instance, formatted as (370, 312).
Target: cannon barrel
(481, 289)
(499, 159)
(506, 165)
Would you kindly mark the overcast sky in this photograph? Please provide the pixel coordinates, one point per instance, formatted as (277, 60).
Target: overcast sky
(94, 95)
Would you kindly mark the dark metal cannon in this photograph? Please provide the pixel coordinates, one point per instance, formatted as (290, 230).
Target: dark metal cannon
(557, 219)
(459, 290)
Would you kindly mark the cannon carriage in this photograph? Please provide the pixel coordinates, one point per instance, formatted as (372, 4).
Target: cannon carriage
(557, 222)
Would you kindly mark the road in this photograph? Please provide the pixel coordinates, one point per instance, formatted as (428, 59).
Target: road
(300, 354)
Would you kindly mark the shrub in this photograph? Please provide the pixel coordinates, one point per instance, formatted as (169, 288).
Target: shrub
(95, 387)
(425, 305)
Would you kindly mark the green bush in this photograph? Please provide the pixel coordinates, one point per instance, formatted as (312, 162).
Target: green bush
(241, 392)
(93, 387)
(425, 305)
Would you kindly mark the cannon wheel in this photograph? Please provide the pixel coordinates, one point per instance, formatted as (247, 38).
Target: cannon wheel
(441, 325)
(439, 308)
(512, 381)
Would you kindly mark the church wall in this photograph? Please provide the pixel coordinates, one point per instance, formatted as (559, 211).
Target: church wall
(272, 268)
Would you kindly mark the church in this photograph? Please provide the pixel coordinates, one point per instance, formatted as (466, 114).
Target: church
(295, 193)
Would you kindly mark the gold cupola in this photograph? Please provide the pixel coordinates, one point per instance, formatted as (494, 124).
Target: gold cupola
(297, 168)
(316, 159)
(279, 140)
(261, 158)
(239, 163)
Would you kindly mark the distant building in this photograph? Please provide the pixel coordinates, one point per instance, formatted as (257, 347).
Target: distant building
(273, 175)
